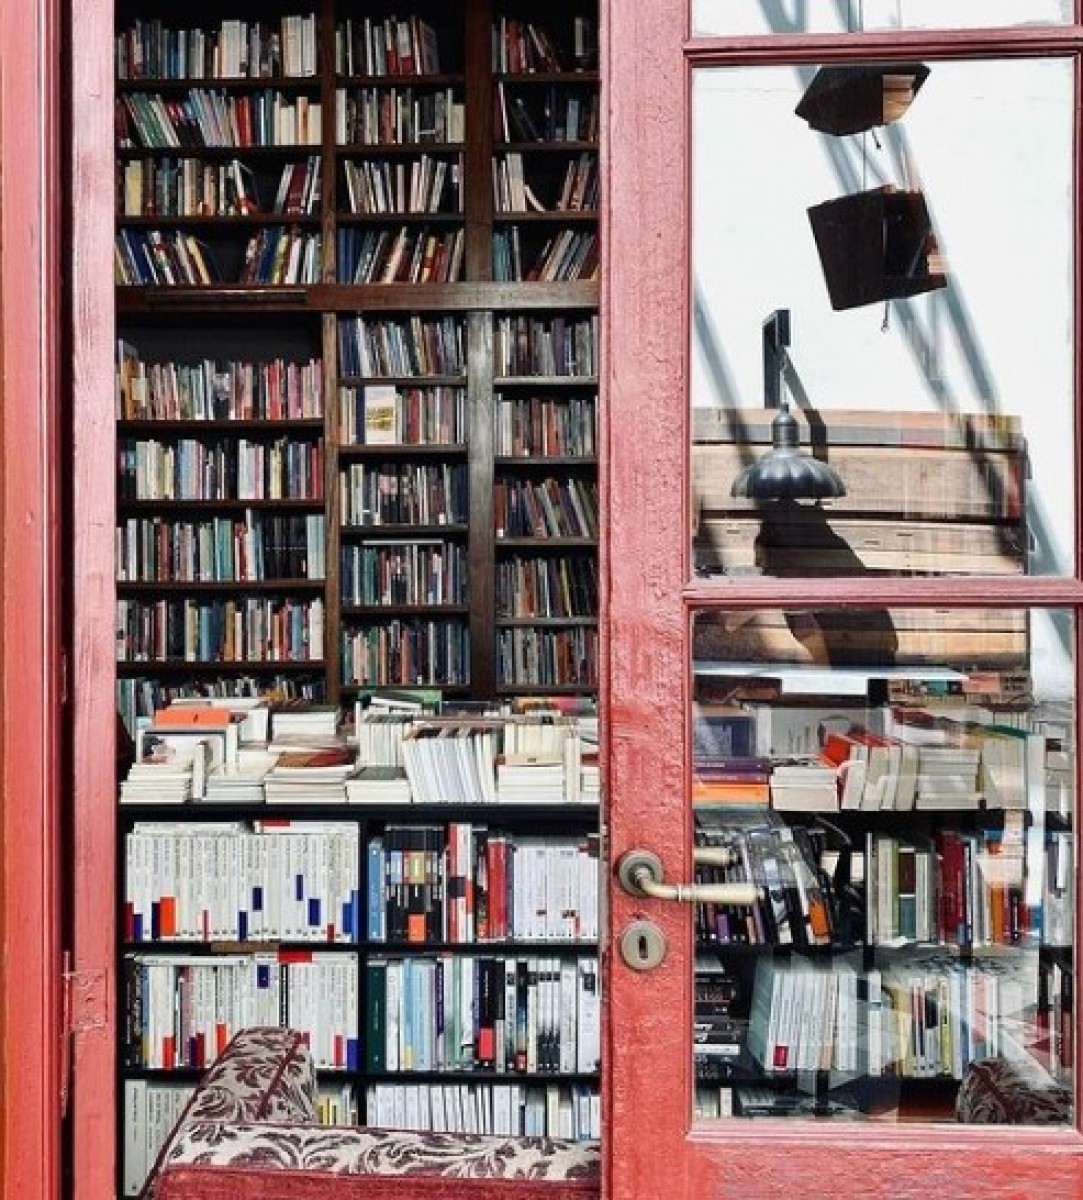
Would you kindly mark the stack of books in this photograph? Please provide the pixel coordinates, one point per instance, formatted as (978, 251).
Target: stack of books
(316, 776)
(378, 785)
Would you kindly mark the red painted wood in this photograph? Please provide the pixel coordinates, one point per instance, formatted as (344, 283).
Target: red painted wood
(93, 790)
(647, 1073)
(30, 605)
(651, 1150)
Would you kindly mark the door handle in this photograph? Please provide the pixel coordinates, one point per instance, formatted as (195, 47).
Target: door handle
(640, 873)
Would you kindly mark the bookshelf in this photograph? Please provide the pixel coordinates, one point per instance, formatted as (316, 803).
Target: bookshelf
(426, 908)
(406, 206)
(357, 453)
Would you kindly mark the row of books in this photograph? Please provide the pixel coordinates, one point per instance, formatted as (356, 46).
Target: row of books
(190, 187)
(907, 1022)
(545, 508)
(403, 493)
(471, 883)
(385, 415)
(253, 547)
(398, 116)
(152, 1109)
(798, 904)
(207, 118)
(971, 888)
(540, 657)
(139, 697)
(511, 1015)
(429, 183)
(566, 255)
(891, 757)
(150, 1113)
(183, 1011)
(393, 46)
(227, 881)
(236, 49)
(274, 254)
(422, 571)
(542, 426)
(220, 468)
(553, 115)
(558, 346)
(253, 629)
(541, 757)
(282, 255)
(552, 1110)
(217, 390)
(547, 586)
(578, 190)
(228, 751)
(402, 347)
(527, 46)
(406, 653)
(406, 255)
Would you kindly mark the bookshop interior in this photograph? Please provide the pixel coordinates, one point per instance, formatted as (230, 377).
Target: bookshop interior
(360, 562)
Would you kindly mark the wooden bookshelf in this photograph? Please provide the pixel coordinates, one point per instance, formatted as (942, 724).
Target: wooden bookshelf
(212, 170)
(318, 330)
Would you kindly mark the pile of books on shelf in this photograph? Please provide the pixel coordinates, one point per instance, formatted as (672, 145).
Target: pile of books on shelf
(810, 758)
(222, 752)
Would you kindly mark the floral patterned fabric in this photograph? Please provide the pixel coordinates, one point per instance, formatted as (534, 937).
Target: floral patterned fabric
(999, 1091)
(382, 1151)
(250, 1129)
(263, 1074)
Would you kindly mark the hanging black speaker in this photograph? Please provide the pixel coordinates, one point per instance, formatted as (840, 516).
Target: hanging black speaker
(851, 99)
(876, 245)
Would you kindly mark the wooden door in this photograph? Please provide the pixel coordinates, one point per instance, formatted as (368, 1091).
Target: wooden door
(654, 1147)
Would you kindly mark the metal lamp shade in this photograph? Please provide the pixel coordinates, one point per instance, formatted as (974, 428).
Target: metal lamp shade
(786, 472)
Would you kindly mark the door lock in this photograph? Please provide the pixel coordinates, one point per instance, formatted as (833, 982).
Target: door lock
(643, 945)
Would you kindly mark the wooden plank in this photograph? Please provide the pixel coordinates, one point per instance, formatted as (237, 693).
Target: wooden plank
(969, 639)
(815, 543)
(863, 427)
(946, 484)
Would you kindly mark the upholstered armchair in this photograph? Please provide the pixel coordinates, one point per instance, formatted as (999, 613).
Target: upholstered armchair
(250, 1130)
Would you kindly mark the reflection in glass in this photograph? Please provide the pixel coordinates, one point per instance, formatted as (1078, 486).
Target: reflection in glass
(724, 18)
(929, 359)
(899, 785)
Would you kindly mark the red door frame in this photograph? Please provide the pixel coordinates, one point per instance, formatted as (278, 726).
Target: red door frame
(651, 1148)
(30, 602)
(94, 1100)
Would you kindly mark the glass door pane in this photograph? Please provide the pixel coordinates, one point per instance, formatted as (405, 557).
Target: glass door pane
(903, 290)
(896, 938)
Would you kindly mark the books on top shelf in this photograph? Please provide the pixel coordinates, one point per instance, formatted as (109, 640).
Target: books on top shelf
(887, 757)
(391, 758)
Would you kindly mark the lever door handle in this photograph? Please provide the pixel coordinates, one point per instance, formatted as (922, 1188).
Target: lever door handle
(640, 874)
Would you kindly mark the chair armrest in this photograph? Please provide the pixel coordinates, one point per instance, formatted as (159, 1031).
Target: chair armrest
(233, 1161)
(264, 1074)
